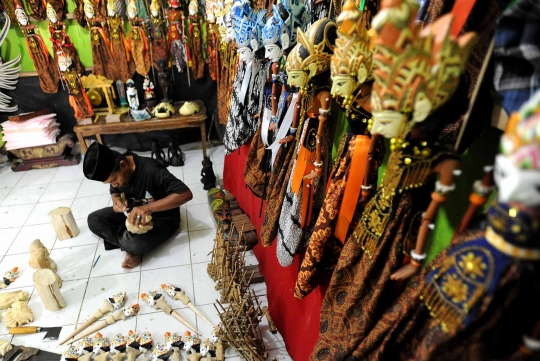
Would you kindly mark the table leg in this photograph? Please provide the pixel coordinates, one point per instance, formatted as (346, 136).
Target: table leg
(84, 148)
(98, 137)
(203, 136)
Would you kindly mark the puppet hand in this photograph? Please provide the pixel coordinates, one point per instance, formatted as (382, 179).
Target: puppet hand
(138, 215)
(314, 174)
(404, 272)
(287, 139)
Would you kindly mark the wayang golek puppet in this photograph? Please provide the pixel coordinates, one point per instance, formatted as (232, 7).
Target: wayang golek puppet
(48, 75)
(195, 39)
(138, 41)
(102, 59)
(212, 40)
(119, 46)
(175, 30)
(308, 67)
(149, 95)
(77, 96)
(478, 298)
(61, 42)
(351, 66)
(160, 48)
(399, 216)
(178, 294)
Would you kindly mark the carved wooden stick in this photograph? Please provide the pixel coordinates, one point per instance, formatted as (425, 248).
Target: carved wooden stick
(105, 308)
(181, 296)
(118, 315)
(161, 304)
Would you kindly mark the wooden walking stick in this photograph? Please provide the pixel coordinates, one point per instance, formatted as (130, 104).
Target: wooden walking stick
(156, 300)
(178, 294)
(115, 302)
(118, 315)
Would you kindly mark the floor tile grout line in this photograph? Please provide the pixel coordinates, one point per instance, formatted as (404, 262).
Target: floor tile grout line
(86, 288)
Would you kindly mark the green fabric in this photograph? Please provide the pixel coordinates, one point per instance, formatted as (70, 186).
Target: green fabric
(340, 128)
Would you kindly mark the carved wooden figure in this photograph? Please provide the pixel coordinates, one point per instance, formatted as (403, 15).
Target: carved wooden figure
(47, 285)
(39, 259)
(118, 347)
(174, 342)
(132, 341)
(19, 314)
(109, 305)
(157, 300)
(178, 294)
(9, 277)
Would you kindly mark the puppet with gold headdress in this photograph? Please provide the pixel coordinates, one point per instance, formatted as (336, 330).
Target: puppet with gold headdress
(308, 68)
(77, 96)
(212, 40)
(160, 48)
(61, 42)
(48, 75)
(478, 299)
(195, 39)
(102, 58)
(351, 70)
(118, 43)
(138, 43)
(415, 93)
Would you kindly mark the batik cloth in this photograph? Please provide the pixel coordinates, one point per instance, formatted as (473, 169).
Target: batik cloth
(517, 54)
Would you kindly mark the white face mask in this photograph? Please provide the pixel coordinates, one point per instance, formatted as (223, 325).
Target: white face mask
(389, 124)
(342, 85)
(273, 52)
(246, 54)
(515, 184)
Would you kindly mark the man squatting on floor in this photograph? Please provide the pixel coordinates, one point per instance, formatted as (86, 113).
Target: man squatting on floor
(149, 189)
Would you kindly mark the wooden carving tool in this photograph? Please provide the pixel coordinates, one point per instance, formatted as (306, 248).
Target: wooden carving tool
(118, 315)
(159, 302)
(105, 309)
(179, 294)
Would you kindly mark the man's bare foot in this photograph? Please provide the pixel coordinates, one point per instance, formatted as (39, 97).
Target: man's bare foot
(131, 261)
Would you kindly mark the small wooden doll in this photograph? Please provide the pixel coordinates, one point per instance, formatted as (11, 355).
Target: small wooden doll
(77, 96)
(48, 76)
(397, 219)
(138, 42)
(101, 52)
(196, 46)
(118, 42)
(308, 68)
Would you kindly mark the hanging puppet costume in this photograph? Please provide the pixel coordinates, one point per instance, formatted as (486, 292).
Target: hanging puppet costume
(308, 68)
(212, 40)
(101, 51)
(228, 61)
(61, 42)
(240, 122)
(351, 66)
(77, 96)
(160, 48)
(194, 25)
(48, 75)
(478, 299)
(290, 14)
(138, 43)
(118, 42)
(397, 219)
(175, 30)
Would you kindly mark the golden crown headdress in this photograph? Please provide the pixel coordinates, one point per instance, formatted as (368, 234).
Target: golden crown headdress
(315, 46)
(154, 6)
(415, 67)
(354, 44)
(111, 6)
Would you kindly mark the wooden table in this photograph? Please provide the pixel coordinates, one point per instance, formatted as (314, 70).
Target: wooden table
(128, 125)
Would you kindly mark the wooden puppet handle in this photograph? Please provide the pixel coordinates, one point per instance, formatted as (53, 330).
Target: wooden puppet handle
(103, 310)
(366, 190)
(23, 330)
(477, 200)
(184, 321)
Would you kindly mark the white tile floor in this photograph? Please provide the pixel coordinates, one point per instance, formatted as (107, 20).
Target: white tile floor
(27, 197)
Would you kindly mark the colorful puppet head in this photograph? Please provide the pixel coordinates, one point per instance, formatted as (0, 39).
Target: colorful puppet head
(205, 347)
(211, 11)
(11, 275)
(70, 354)
(173, 340)
(193, 7)
(517, 168)
(145, 342)
(64, 61)
(112, 10)
(132, 10)
(118, 343)
(85, 345)
(132, 339)
(151, 297)
(132, 310)
(416, 70)
(118, 300)
(256, 41)
(352, 61)
(188, 341)
(214, 336)
(161, 352)
(20, 14)
(89, 9)
(311, 56)
(170, 289)
(51, 14)
(174, 3)
(101, 343)
(275, 34)
(155, 9)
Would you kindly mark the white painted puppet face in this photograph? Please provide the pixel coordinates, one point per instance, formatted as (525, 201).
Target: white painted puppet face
(273, 52)
(343, 85)
(246, 54)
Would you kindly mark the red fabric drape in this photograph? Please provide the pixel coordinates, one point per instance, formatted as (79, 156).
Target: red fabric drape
(297, 320)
